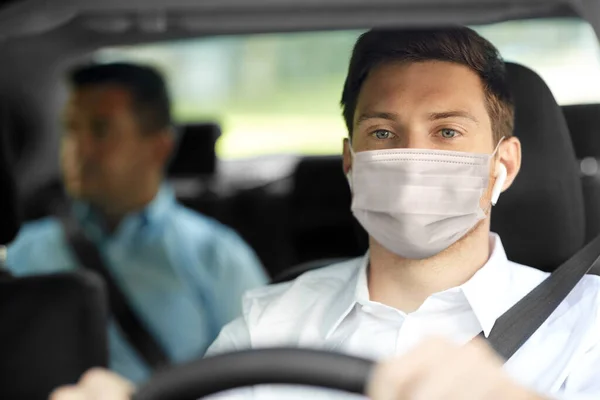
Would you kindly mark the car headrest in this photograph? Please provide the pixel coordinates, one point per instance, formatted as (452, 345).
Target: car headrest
(9, 220)
(319, 183)
(195, 154)
(321, 221)
(541, 218)
(582, 120)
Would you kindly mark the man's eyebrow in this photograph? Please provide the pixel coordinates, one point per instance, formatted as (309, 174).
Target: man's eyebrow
(452, 114)
(376, 115)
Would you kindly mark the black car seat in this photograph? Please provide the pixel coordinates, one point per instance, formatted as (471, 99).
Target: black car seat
(53, 330)
(193, 165)
(9, 223)
(260, 216)
(48, 199)
(583, 121)
(541, 218)
(53, 326)
(321, 222)
(257, 214)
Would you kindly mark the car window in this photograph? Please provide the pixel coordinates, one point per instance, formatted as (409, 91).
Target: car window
(280, 93)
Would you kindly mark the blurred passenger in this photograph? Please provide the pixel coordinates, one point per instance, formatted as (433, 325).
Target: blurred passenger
(183, 274)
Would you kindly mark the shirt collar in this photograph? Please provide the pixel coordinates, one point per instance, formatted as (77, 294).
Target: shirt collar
(343, 302)
(484, 292)
(151, 214)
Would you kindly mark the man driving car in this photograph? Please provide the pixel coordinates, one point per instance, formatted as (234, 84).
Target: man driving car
(430, 149)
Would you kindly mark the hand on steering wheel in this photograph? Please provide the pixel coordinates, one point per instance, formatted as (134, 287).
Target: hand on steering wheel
(96, 384)
(437, 369)
(434, 370)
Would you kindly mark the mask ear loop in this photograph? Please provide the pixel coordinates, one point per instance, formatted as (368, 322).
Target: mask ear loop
(497, 147)
(352, 154)
(500, 178)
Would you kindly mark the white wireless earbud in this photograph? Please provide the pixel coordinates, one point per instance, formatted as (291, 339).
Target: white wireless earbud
(500, 179)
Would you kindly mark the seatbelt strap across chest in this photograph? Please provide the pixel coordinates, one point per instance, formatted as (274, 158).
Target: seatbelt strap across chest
(131, 325)
(523, 319)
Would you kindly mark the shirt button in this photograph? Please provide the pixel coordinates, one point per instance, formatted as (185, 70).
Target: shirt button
(367, 309)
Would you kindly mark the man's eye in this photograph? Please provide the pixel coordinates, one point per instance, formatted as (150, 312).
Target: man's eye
(448, 133)
(383, 134)
(100, 129)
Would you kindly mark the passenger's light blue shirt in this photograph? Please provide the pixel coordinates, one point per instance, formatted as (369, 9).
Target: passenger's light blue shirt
(183, 273)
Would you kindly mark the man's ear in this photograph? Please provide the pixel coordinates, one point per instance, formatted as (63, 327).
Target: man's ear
(164, 145)
(347, 156)
(509, 154)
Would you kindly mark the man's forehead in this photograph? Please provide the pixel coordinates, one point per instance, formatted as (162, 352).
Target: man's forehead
(102, 98)
(437, 85)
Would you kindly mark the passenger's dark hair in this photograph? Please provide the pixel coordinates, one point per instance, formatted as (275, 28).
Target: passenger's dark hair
(459, 45)
(147, 87)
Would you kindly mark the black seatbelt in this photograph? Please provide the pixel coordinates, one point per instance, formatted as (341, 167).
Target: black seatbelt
(521, 321)
(134, 330)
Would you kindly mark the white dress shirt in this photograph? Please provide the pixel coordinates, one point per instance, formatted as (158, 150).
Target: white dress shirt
(329, 309)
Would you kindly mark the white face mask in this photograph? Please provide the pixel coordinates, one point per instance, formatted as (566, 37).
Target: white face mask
(418, 202)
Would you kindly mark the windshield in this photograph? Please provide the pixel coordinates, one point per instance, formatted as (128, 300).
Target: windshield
(280, 93)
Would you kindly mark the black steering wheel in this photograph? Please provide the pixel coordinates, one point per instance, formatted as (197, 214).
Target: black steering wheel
(254, 367)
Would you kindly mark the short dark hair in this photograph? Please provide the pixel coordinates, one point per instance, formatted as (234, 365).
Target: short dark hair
(459, 45)
(147, 87)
